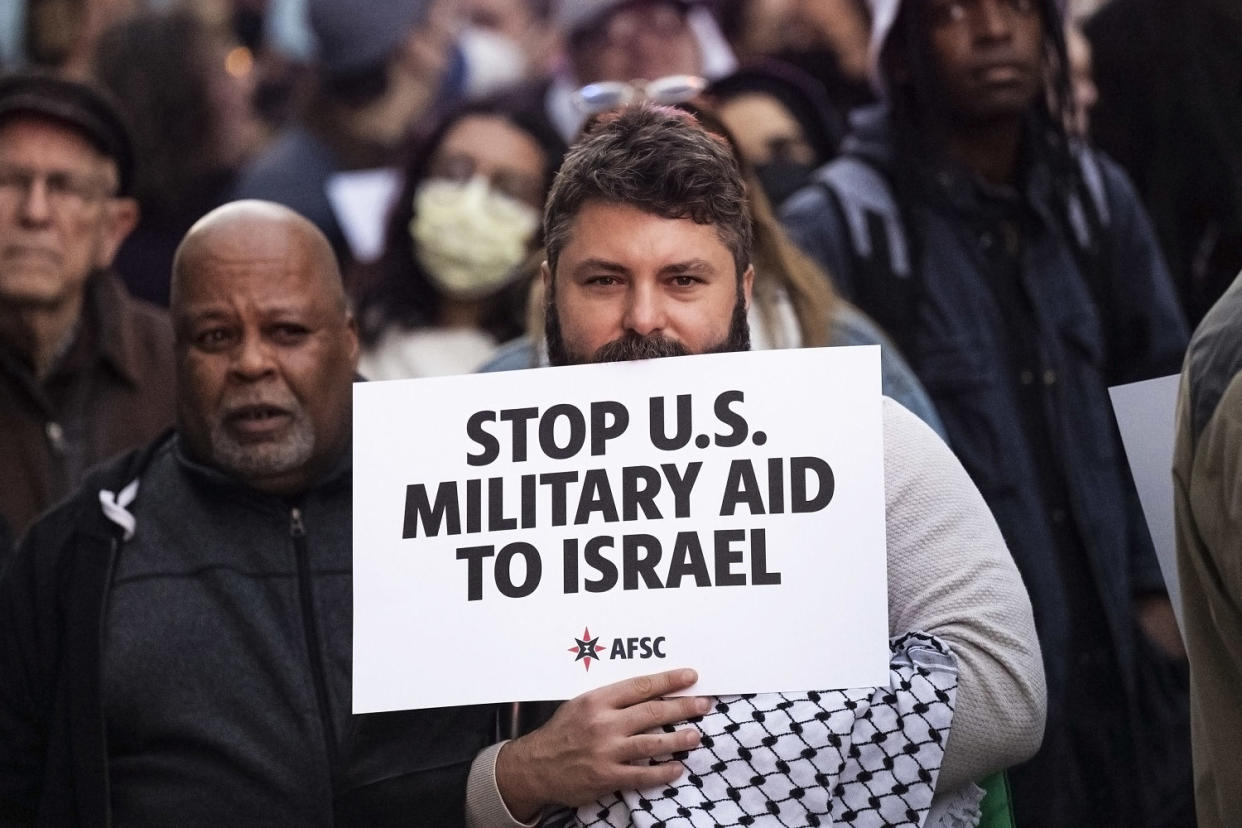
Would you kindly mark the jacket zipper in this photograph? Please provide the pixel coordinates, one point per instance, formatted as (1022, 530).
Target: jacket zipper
(310, 629)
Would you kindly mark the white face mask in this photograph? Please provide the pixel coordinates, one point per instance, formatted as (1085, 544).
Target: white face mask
(493, 61)
(468, 237)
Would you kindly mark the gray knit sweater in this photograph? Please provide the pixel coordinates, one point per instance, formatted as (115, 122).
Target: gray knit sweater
(949, 575)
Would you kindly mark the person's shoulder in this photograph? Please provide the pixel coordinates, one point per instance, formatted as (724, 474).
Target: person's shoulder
(1223, 323)
(139, 334)
(1214, 356)
(808, 199)
(514, 355)
(851, 176)
(83, 511)
(134, 313)
(286, 162)
(904, 427)
(1106, 179)
(850, 326)
(115, 473)
(913, 451)
(853, 184)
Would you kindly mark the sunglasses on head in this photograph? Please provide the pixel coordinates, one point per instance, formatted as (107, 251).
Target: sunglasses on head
(595, 98)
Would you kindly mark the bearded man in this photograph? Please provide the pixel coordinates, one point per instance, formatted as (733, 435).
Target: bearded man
(648, 255)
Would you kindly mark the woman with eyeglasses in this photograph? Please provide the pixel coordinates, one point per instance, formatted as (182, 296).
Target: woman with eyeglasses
(448, 288)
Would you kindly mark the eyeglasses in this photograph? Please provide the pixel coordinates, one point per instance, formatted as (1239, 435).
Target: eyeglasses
(595, 98)
(64, 191)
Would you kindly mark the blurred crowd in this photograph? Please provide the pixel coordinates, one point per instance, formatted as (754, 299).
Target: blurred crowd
(1090, 189)
(283, 99)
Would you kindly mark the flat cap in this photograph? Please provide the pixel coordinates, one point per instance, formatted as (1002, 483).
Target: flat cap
(82, 107)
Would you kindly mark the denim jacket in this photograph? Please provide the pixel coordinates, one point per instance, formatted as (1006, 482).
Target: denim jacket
(962, 347)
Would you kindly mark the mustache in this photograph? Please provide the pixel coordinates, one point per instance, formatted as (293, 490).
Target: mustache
(638, 347)
(249, 399)
(633, 346)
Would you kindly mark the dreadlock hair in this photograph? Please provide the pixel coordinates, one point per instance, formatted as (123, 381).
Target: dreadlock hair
(918, 120)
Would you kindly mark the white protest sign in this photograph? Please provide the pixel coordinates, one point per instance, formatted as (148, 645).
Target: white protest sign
(1146, 416)
(535, 534)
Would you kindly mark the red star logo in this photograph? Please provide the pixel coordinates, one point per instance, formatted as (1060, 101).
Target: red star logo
(586, 648)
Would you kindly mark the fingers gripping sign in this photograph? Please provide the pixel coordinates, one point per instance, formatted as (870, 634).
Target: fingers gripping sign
(597, 742)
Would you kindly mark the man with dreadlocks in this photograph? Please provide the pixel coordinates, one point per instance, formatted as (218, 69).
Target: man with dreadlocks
(1021, 277)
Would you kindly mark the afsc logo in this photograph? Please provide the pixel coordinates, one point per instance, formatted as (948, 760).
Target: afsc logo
(588, 648)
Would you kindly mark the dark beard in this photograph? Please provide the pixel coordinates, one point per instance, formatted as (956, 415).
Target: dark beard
(632, 346)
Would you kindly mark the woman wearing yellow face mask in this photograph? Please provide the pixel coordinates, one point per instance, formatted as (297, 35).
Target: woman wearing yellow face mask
(445, 292)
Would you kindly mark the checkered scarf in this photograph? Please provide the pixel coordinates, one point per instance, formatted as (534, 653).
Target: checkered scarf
(866, 758)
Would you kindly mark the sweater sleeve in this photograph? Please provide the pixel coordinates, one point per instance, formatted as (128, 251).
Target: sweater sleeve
(485, 808)
(950, 575)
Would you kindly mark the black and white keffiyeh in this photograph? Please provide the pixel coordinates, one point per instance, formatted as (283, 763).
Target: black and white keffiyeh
(866, 757)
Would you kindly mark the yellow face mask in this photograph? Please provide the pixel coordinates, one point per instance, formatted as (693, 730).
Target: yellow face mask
(469, 238)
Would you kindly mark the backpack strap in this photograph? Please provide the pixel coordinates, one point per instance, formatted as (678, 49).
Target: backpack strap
(1093, 178)
(886, 282)
(1087, 212)
(1088, 218)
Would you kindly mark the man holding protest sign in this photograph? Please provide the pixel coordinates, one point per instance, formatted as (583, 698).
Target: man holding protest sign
(648, 256)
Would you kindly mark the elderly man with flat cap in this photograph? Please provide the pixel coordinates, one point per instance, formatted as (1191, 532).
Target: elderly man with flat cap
(85, 370)
(175, 640)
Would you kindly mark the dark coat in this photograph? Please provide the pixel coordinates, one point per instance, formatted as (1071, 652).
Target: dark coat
(1024, 394)
(56, 758)
(112, 392)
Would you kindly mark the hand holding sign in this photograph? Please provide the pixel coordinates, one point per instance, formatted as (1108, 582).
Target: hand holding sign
(585, 750)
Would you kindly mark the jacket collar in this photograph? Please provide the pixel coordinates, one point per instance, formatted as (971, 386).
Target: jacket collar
(111, 312)
(338, 476)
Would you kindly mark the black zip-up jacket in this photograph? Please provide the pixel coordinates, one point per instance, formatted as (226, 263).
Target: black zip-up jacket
(132, 689)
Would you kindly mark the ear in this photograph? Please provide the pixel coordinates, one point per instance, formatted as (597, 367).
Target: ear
(351, 330)
(119, 218)
(748, 284)
(545, 275)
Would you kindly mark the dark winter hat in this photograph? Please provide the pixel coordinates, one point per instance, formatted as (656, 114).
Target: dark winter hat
(575, 17)
(356, 36)
(798, 92)
(85, 108)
